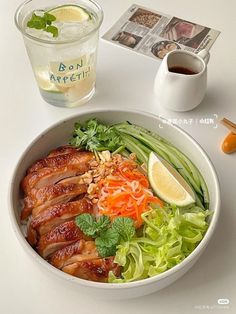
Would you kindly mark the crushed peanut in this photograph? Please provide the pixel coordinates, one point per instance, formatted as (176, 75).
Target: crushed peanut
(100, 169)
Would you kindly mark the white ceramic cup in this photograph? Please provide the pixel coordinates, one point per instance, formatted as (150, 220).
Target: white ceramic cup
(178, 91)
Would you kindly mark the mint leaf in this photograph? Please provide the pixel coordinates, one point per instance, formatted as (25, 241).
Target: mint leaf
(89, 226)
(108, 238)
(49, 17)
(102, 223)
(30, 24)
(37, 22)
(106, 251)
(43, 22)
(124, 226)
(86, 223)
(52, 29)
(106, 243)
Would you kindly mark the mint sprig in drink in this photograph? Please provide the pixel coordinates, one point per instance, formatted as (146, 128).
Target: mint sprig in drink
(61, 40)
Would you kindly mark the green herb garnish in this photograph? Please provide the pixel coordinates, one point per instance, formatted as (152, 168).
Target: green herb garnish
(107, 241)
(90, 226)
(96, 136)
(43, 22)
(52, 29)
(107, 235)
(124, 226)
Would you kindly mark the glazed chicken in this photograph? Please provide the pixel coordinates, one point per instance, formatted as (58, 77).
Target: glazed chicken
(56, 158)
(51, 170)
(53, 197)
(76, 252)
(95, 269)
(61, 150)
(40, 199)
(59, 237)
(54, 216)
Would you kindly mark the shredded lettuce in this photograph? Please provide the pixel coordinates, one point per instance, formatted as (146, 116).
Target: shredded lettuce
(169, 235)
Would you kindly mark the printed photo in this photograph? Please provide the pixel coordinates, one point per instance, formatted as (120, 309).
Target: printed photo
(184, 32)
(145, 18)
(161, 48)
(127, 39)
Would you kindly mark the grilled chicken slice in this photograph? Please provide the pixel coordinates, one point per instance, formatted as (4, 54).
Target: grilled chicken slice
(73, 158)
(75, 179)
(76, 252)
(59, 237)
(61, 150)
(51, 170)
(40, 199)
(94, 270)
(46, 176)
(54, 216)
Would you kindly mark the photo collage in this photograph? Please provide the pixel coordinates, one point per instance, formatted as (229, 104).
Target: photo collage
(155, 34)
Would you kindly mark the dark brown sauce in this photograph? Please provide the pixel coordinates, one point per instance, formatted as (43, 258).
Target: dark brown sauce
(182, 70)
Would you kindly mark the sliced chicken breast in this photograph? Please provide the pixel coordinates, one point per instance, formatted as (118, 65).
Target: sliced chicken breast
(56, 161)
(54, 216)
(76, 252)
(94, 270)
(59, 237)
(51, 170)
(40, 199)
(61, 150)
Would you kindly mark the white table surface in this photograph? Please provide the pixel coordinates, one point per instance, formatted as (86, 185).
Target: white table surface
(24, 288)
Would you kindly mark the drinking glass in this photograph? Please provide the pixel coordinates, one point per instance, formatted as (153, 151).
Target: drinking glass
(65, 69)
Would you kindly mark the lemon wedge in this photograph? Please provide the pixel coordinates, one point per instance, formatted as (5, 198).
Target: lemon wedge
(167, 183)
(70, 13)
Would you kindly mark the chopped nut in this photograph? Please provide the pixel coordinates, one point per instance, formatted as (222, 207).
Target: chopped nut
(105, 155)
(97, 179)
(104, 167)
(88, 180)
(109, 164)
(133, 156)
(92, 187)
(94, 200)
(93, 163)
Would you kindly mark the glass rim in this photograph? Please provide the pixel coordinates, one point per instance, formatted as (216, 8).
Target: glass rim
(60, 42)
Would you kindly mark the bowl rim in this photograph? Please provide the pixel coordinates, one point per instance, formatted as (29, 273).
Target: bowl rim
(117, 286)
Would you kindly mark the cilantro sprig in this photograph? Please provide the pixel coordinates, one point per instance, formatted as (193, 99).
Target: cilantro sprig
(43, 22)
(107, 234)
(95, 136)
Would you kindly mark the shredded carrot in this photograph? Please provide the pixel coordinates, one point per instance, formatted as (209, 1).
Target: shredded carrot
(126, 193)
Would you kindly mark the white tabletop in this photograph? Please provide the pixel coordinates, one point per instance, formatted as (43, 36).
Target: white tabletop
(24, 288)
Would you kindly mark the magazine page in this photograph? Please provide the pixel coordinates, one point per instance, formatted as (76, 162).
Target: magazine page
(155, 34)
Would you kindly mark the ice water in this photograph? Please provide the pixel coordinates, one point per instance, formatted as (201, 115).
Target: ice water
(64, 66)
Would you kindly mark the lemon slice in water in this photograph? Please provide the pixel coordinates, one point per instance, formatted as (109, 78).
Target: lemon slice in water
(41, 75)
(70, 13)
(167, 183)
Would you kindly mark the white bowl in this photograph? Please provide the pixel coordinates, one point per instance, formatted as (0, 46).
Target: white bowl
(59, 134)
